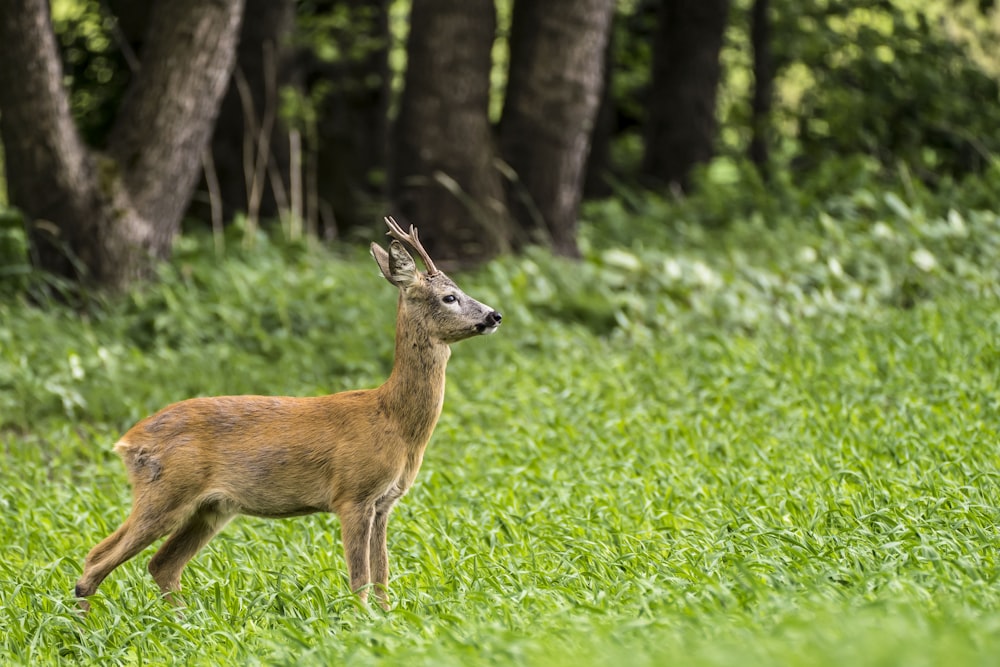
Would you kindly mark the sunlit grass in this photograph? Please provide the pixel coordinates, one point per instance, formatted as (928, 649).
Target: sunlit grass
(601, 489)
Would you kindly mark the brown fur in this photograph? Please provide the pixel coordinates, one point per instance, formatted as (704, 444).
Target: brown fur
(196, 464)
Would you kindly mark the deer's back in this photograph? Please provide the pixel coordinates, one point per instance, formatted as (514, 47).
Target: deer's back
(271, 456)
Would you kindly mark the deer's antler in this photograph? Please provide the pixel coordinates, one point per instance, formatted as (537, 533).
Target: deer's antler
(396, 232)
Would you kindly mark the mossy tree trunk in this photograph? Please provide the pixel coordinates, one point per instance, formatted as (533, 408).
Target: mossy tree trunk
(103, 218)
(444, 176)
(555, 84)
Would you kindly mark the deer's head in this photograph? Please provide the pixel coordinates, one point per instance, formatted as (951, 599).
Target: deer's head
(431, 298)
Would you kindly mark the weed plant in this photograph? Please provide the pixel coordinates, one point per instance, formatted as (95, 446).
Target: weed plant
(771, 444)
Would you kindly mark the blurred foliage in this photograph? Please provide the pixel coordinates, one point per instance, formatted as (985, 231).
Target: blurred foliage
(95, 65)
(890, 81)
(320, 24)
(14, 265)
(862, 251)
(280, 300)
(889, 85)
(652, 267)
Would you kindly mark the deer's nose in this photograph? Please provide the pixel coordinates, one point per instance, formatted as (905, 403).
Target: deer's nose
(494, 317)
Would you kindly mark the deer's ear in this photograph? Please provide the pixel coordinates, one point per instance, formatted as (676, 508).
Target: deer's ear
(397, 266)
(382, 259)
(402, 268)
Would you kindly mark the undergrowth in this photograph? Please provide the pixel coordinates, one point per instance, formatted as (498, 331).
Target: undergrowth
(774, 443)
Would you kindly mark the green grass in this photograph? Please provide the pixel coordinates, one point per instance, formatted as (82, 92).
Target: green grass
(704, 450)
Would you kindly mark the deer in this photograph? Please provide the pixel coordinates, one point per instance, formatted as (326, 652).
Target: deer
(198, 463)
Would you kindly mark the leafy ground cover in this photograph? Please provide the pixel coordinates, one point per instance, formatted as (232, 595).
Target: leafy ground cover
(772, 444)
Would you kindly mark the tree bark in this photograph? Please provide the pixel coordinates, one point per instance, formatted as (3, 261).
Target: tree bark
(50, 174)
(681, 125)
(102, 217)
(167, 116)
(596, 180)
(445, 178)
(763, 85)
(554, 87)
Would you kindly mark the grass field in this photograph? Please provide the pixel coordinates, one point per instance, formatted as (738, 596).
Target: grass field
(749, 447)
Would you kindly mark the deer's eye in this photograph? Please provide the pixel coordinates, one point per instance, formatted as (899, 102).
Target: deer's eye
(450, 298)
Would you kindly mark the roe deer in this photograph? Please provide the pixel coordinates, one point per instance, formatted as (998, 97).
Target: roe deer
(196, 464)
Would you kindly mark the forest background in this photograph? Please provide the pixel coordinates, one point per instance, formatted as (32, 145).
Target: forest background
(487, 123)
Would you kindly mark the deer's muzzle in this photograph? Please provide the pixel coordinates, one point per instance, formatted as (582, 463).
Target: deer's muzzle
(490, 324)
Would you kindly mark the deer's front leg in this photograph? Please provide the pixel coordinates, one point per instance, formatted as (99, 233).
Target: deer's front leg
(356, 526)
(379, 556)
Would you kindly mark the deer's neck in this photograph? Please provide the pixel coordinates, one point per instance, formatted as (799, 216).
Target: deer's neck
(414, 393)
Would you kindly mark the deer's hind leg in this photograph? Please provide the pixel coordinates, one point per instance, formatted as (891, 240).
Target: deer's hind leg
(168, 563)
(144, 525)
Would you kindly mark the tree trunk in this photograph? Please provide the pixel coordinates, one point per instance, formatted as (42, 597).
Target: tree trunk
(50, 174)
(681, 126)
(596, 180)
(445, 178)
(167, 116)
(554, 87)
(763, 85)
(101, 217)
